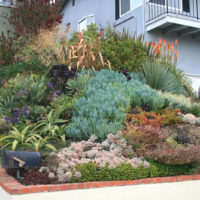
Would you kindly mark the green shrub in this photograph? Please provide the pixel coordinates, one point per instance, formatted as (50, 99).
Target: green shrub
(123, 50)
(91, 172)
(103, 108)
(10, 71)
(161, 170)
(64, 105)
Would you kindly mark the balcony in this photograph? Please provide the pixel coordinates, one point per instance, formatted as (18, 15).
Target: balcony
(179, 16)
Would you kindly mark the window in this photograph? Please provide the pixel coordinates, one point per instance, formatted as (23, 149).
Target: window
(160, 2)
(7, 2)
(73, 2)
(128, 5)
(83, 23)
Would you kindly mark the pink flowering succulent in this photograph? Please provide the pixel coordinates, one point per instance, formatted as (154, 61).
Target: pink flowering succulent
(112, 152)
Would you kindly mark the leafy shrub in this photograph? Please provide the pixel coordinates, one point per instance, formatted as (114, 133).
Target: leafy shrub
(30, 16)
(91, 172)
(158, 76)
(162, 170)
(11, 71)
(103, 108)
(63, 105)
(123, 50)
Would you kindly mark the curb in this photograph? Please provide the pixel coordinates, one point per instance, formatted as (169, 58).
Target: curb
(10, 184)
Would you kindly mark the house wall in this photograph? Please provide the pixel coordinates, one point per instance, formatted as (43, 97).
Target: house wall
(104, 10)
(4, 24)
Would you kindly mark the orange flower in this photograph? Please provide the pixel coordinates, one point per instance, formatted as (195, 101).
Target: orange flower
(176, 42)
(172, 45)
(160, 40)
(146, 43)
(156, 52)
(168, 47)
(164, 42)
(152, 44)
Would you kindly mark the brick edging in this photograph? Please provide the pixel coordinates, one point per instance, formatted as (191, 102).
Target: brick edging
(10, 184)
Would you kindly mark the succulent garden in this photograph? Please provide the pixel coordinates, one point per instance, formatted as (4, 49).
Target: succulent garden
(99, 106)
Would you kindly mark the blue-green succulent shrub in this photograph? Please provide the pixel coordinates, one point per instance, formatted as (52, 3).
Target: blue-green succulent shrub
(107, 99)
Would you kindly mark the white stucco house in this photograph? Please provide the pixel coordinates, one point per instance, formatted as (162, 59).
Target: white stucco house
(168, 19)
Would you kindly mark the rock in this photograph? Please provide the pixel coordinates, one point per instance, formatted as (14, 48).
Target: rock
(190, 116)
(198, 121)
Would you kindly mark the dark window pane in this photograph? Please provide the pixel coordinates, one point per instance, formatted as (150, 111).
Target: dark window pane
(186, 6)
(125, 6)
(160, 2)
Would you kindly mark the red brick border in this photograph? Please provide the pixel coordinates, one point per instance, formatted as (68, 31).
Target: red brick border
(10, 185)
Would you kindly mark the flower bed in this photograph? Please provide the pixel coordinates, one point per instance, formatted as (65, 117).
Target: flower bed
(93, 124)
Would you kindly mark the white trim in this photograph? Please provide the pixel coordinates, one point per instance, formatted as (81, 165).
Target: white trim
(173, 19)
(84, 18)
(193, 75)
(92, 15)
(131, 8)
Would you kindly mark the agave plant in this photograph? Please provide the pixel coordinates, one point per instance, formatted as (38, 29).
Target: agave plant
(158, 76)
(76, 86)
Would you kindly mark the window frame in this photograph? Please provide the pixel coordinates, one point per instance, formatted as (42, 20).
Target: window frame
(131, 8)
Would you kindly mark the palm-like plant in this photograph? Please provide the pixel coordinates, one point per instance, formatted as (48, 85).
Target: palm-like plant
(17, 138)
(49, 125)
(26, 138)
(38, 143)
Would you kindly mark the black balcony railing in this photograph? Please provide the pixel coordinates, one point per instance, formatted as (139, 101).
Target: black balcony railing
(187, 8)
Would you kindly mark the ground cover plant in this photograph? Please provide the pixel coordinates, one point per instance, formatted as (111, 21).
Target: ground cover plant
(96, 120)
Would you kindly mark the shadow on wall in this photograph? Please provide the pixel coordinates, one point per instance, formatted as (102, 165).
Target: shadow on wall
(195, 79)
